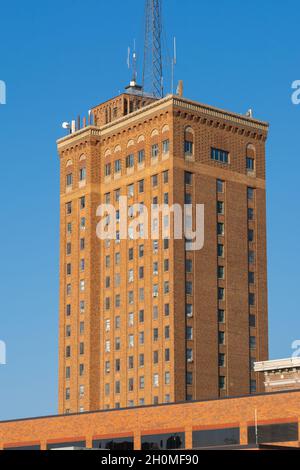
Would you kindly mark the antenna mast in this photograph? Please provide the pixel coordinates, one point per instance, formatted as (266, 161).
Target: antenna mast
(153, 65)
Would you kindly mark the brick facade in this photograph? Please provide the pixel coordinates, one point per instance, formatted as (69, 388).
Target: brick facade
(271, 409)
(114, 136)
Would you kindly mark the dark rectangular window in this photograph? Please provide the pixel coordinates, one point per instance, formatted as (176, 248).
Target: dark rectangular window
(188, 198)
(163, 441)
(250, 213)
(34, 447)
(188, 178)
(221, 337)
(252, 321)
(251, 299)
(220, 229)
(122, 443)
(250, 163)
(69, 179)
(220, 186)
(188, 147)
(130, 161)
(141, 156)
(189, 265)
(189, 288)
(219, 155)
(220, 207)
(250, 194)
(221, 316)
(221, 360)
(220, 250)
(216, 438)
(284, 432)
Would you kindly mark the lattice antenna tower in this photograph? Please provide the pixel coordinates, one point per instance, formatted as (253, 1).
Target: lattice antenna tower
(153, 61)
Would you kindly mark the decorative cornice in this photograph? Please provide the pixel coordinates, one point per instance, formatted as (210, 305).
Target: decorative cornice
(208, 115)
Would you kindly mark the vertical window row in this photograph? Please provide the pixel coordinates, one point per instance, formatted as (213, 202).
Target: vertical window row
(251, 196)
(80, 288)
(221, 283)
(189, 290)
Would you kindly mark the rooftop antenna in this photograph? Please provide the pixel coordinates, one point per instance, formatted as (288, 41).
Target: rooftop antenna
(134, 63)
(174, 62)
(153, 64)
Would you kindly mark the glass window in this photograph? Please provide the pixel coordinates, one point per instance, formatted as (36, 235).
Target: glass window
(222, 382)
(189, 378)
(220, 186)
(188, 147)
(189, 332)
(166, 146)
(107, 169)
(220, 250)
(163, 441)
(189, 354)
(130, 161)
(69, 208)
(189, 287)
(220, 156)
(154, 180)
(155, 380)
(220, 229)
(252, 342)
(117, 166)
(251, 298)
(141, 316)
(188, 178)
(69, 179)
(141, 156)
(281, 432)
(221, 360)
(189, 310)
(221, 336)
(155, 151)
(189, 265)
(221, 293)
(220, 207)
(141, 360)
(250, 193)
(221, 272)
(130, 190)
(216, 437)
(250, 164)
(82, 174)
(250, 213)
(221, 316)
(252, 321)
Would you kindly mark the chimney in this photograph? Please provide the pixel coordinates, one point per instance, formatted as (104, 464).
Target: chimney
(180, 88)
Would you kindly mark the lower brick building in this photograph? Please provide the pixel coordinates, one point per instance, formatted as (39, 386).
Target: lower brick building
(271, 418)
(280, 374)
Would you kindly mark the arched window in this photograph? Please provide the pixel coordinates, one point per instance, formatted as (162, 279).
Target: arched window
(189, 141)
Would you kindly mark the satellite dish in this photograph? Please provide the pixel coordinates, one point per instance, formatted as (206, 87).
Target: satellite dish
(65, 125)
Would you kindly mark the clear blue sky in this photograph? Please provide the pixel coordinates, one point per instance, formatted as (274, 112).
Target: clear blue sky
(60, 58)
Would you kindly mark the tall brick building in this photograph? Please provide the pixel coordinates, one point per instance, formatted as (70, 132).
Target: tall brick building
(146, 321)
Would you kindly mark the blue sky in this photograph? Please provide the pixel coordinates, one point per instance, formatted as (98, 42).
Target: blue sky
(60, 58)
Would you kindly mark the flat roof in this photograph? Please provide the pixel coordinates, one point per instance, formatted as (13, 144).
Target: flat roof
(182, 403)
(277, 364)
